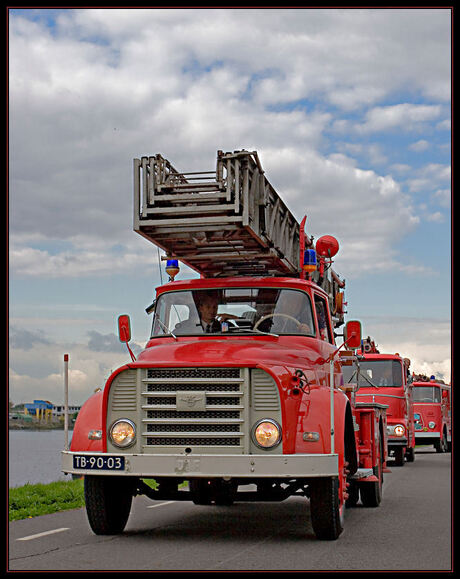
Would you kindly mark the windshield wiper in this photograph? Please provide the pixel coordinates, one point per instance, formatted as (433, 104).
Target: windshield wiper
(166, 329)
(368, 381)
(241, 330)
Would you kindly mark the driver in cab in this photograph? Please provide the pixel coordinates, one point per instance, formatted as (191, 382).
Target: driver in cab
(207, 303)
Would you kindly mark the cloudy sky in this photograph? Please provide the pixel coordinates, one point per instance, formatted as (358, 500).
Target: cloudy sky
(349, 110)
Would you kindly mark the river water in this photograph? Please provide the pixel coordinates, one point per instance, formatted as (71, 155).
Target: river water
(34, 456)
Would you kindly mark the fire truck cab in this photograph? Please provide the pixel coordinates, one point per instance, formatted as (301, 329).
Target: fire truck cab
(432, 413)
(240, 382)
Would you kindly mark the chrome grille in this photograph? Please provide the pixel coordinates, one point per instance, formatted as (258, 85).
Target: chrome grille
(170, 373)
(220, 397)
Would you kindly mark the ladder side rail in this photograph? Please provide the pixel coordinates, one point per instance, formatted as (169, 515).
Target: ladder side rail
(137, 193)
(151, 182)
(236, 199)
(144, 161)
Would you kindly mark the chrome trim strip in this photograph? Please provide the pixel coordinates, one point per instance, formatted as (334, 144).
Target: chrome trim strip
(218, 465)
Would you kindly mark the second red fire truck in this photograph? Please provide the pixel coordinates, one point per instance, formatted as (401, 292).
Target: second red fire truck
(385, 378)
(240, 382)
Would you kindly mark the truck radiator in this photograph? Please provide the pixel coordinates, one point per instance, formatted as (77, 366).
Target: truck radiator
(203, 407)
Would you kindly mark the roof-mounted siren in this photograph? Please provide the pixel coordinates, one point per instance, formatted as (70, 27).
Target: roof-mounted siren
(172, 268)
(327, 247)
(309, 261)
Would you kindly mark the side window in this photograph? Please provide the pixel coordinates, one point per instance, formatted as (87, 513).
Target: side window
(325, 332)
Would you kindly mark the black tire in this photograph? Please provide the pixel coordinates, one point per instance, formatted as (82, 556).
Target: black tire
(353, 495)
(108, 503)
(410, 454)
(371, 492)
(224, 493)
(445, 444)
(438, 445)
(399, 456)
(200, 490)
(325, 508)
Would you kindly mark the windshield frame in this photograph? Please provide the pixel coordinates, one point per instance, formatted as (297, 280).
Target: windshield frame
(192, 291)
(369, 380)
(433, 390)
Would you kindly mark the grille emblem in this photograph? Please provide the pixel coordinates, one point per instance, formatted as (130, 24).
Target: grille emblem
(190, 401)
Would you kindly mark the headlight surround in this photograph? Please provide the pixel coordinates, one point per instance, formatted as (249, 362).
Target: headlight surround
(123, 433)
(399, 430)
(266, 433)
(431, 424)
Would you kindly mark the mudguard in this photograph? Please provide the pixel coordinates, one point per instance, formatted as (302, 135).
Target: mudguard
(89, 418)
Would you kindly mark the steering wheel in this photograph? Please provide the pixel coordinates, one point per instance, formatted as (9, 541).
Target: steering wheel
(263, 318)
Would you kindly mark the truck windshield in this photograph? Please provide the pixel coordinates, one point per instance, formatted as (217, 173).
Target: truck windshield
(426, 394)
(233, 310)
(375, 373)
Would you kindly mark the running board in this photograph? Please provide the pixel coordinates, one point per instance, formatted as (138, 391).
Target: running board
(365, 475)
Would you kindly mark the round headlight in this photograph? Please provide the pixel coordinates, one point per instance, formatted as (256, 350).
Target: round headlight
(431, 424)
(123, 433)
(399, 430)
(266, 433)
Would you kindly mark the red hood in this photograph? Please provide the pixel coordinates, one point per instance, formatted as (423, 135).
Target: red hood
(235, 351)
(394, 397)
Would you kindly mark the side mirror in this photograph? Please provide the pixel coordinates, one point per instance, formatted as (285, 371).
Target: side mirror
(124, 328)
(445, 394)
(352, 334)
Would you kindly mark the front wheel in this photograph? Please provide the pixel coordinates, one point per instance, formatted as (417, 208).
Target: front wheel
(399, 456)
(326, 508)
(371, 492)
(108, 503)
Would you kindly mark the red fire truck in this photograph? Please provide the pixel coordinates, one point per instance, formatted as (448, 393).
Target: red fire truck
(241, 380)
(386, 378)
(432, 413)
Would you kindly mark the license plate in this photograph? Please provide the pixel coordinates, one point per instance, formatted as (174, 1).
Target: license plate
(89, 462)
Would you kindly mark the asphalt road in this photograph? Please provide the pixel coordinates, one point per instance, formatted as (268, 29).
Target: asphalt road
(409, 531)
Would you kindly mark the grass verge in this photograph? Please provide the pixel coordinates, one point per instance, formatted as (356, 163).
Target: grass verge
(33, 500)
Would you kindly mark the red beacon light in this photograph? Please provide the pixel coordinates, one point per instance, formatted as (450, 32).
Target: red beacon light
(327, 246)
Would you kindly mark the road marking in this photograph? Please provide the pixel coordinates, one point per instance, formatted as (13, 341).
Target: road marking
(161, 504)
(43, 534)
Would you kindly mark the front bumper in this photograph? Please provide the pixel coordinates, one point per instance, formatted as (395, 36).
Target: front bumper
(393, 442)
(425, 435)
(225, 465)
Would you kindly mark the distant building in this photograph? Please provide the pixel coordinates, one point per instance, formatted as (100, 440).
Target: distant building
(44, 409)
(60, 410)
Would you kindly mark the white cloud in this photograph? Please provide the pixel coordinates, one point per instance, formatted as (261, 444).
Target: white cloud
(426, 342)
(419, 146)
(443, 197)
(429, 177)
(436, 217)
(404, 117)
(107, 85)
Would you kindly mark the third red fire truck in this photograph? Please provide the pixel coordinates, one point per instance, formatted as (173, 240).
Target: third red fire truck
(432, 413)
(252, 395)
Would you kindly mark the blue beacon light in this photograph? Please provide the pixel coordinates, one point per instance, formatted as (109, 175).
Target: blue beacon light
(309, 260)
(172, 268)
